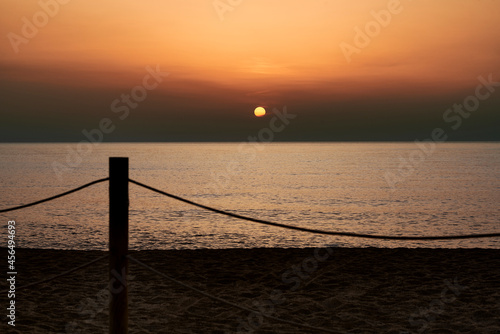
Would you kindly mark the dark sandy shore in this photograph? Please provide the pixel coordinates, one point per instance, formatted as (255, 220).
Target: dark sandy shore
(344, 290)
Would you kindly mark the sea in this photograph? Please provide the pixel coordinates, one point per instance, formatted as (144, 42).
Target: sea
(400, 189)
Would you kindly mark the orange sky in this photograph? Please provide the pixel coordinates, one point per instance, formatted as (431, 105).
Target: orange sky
(263, 51)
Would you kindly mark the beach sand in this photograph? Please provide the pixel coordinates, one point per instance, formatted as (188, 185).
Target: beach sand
(345, 290)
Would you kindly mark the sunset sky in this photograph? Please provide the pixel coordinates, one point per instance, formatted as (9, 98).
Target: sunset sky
(63, 64)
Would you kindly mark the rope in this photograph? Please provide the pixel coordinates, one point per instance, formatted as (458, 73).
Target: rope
(61, 274)
(228, 302)
(310, 230)
(56, 196)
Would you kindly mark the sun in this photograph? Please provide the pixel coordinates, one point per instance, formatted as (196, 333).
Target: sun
(259, 111)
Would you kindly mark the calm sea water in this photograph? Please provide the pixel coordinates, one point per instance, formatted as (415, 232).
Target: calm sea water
(377, 188)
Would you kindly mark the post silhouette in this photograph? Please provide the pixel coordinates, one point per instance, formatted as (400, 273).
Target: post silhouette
(118, 245)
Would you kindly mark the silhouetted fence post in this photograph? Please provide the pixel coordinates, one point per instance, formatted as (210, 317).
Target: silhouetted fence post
(118, 245)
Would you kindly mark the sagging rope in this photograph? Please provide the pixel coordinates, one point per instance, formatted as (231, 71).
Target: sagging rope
(310, 230)
(56, 196)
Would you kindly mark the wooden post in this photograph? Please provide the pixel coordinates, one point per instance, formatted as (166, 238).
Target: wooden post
(118, 245)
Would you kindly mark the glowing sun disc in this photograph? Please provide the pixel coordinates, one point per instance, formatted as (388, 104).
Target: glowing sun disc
(259, 111)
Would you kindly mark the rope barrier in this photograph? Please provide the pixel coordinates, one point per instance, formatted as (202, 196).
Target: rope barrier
(228, 302)
(54, 197)
(310, 230)
(237, 216)
(61, 274)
